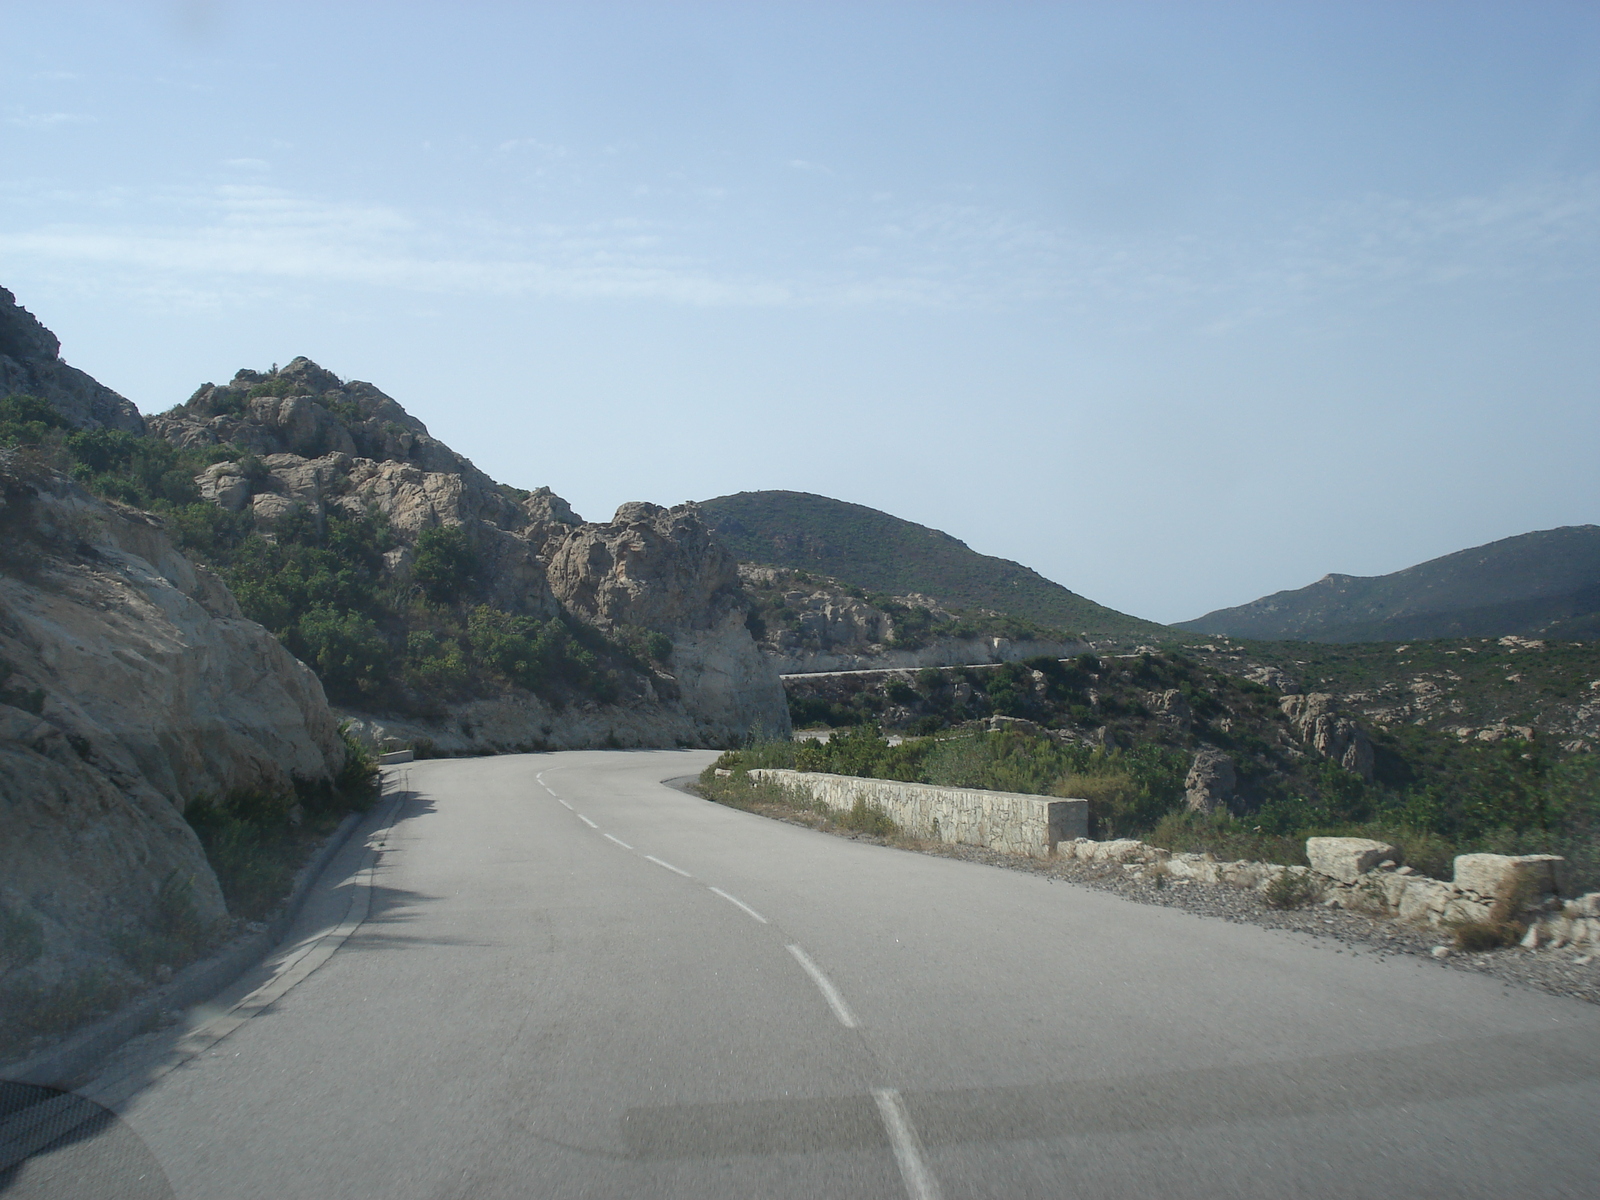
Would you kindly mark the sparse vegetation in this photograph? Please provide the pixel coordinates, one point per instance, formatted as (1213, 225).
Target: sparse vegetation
(879, 553)
(1289, 889)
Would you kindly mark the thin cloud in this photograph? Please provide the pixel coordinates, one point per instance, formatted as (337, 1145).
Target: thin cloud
(48, 120)
(948, 255)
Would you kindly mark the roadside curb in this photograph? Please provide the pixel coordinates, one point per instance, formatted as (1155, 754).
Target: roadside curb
(78, 1056)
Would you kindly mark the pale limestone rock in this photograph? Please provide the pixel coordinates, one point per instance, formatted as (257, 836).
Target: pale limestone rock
(1347, 859)
(328, 446)
(1202, 868)
(1424, 900)
(224, 485)
(663, 570)
(1587, 905)
(1273, 678)
(1210, 783)
(1170, 707)
(1496, 875)
(1334, 737)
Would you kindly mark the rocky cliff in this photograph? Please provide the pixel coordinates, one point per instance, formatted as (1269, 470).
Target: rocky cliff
(672, 661)
(130, 685)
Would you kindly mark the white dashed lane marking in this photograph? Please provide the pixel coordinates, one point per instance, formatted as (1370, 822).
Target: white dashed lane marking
(738, 903)
(825, 986)
(661, 863)
(617, 840)
(919, 1181)
(587, 822)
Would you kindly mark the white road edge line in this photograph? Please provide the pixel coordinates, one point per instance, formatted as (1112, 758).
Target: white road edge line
(919, 1181)
(617, 840)
(738, 903)
(825, 986)
(658, 862)
(587, 822)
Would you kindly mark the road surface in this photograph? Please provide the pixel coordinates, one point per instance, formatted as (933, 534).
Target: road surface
(573, 981)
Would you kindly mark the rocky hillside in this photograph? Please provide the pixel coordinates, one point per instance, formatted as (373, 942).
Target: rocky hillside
(1472, 690)
(879, 553)
(1544, 584)
(444, 609)
(807, 623)
(30, 364)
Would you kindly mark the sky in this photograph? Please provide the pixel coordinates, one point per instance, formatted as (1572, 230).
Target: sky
(1178, 304)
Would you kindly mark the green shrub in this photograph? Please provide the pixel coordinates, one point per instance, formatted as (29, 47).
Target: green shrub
(445, 563)
(868, 818)
(249, 842)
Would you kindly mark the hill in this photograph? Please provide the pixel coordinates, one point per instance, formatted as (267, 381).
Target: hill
(883, 553)
(1544, 584)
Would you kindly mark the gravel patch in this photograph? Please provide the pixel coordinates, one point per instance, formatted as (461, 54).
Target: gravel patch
(1559, 972)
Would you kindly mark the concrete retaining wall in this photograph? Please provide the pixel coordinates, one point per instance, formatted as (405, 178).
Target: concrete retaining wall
(1008, 821)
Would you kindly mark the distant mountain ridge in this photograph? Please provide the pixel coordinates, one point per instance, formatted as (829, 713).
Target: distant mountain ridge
(1544, 584)
(883, 553)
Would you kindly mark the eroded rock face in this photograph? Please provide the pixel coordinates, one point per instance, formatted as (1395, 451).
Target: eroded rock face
(30, 362)
(663, 570)
(1335, 737)
(133, 685)
(1211, 781)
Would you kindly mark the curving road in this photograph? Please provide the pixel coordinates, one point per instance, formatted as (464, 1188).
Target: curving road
(573, 981)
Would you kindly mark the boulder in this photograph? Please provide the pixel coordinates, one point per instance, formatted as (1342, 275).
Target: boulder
(1347, 859)
(1501, 875)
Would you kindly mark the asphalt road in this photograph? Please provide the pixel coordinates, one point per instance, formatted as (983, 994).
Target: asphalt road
(573, 981)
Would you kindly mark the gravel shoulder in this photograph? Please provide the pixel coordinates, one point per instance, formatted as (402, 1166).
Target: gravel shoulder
(1559, 972)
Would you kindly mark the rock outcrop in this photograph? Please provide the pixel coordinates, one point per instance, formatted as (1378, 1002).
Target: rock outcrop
(1321, 728)
(30, 362)
(1211, 781)
(319, 446)
(132, 685)
(662, 570)
(827, 626)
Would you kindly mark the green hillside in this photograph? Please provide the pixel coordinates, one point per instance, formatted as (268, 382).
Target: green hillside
(881, 553)
(1543, 584)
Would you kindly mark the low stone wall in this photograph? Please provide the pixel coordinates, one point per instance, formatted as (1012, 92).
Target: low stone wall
(1006, 821)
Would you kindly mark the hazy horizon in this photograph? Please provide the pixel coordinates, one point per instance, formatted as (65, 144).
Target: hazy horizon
(1177, 305)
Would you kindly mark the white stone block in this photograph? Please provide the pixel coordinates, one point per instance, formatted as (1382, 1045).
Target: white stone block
(1347, 859)
(1495, 875)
